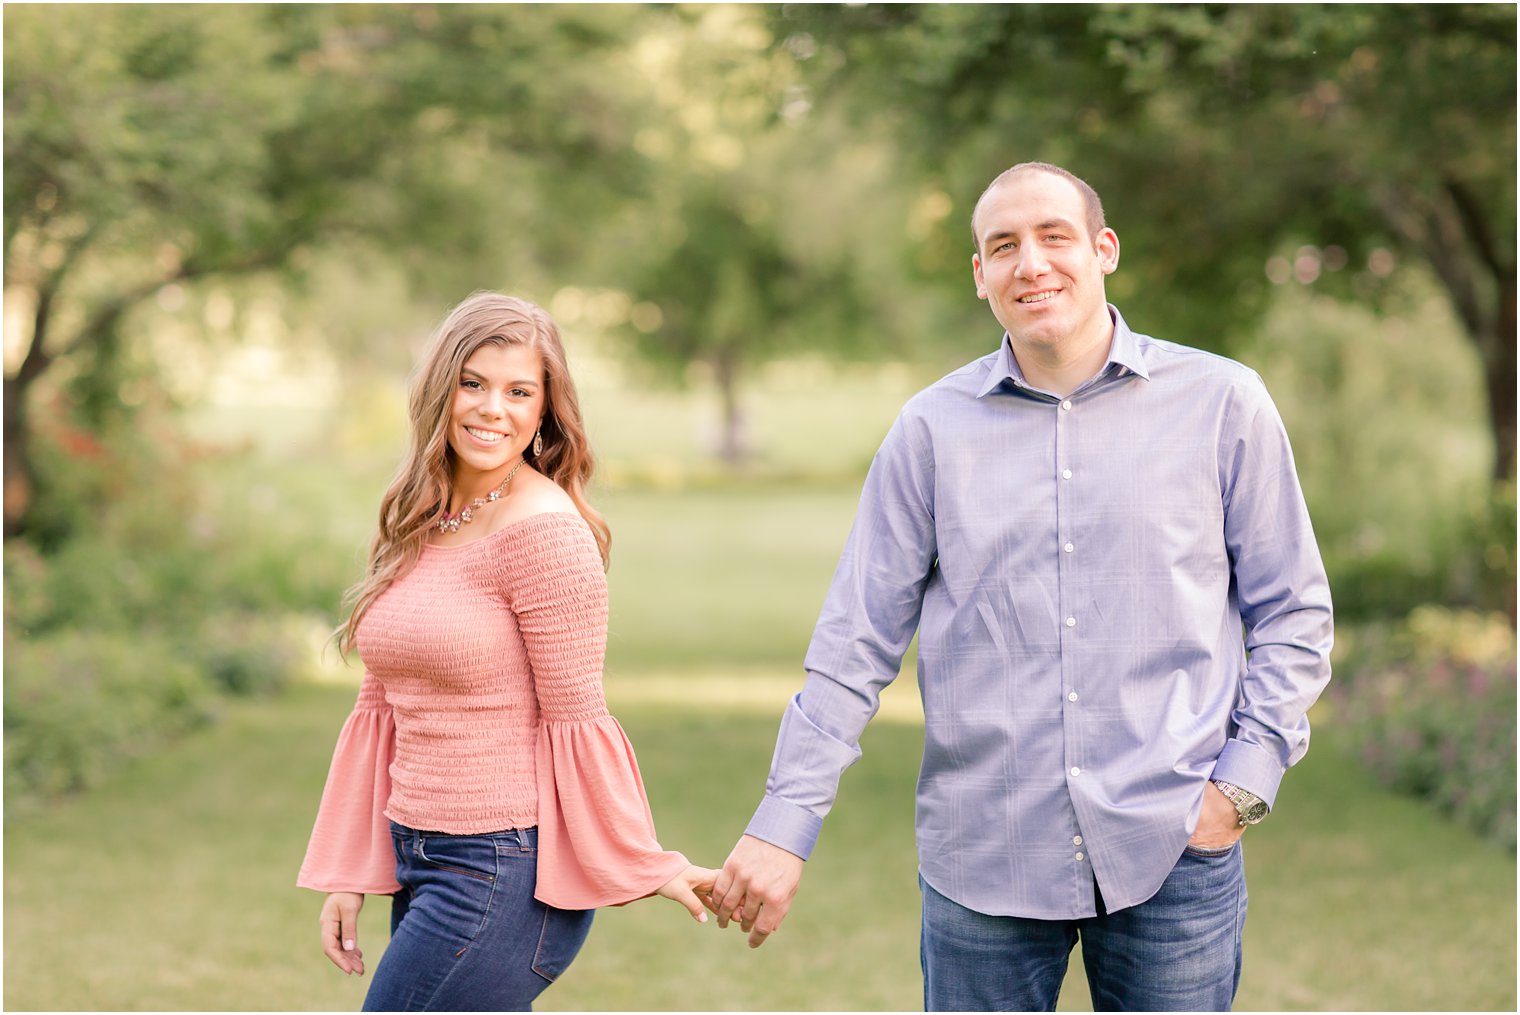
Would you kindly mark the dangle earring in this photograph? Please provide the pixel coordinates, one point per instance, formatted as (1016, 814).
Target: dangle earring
(538, 441)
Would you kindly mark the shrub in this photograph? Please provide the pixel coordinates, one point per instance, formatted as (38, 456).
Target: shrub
(1466, 558)
(150, 584)
(1487, 574)
(78, 703)
(1431, 706)
(250, 653)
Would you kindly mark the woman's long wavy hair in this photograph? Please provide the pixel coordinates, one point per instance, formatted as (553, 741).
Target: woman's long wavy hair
(419, 491)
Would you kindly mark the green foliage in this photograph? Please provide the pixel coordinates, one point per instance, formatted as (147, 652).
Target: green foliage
(153, 150)
(147, 593)
(1386, 407)
(1430, 705)
(1491, 571)
(212, 140)
(1465, 559)
(80, 702)
(742, 259)
(246, 654)
(137, 524)
(1220, 137)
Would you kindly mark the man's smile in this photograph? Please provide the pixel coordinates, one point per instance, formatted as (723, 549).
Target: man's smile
(1039, 297)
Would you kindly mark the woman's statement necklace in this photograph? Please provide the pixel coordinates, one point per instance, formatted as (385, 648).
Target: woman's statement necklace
(451, 523)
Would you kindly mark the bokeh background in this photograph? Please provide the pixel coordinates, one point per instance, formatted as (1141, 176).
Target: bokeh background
(228, 229)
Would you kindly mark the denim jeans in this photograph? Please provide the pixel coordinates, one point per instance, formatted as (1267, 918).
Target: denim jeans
(466, 932)
(1177, 951)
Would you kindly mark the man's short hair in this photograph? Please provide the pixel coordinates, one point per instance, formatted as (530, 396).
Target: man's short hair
(1090, 200)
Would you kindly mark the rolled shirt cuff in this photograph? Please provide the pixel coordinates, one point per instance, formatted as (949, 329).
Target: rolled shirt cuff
(795, 829)
(1252, 768)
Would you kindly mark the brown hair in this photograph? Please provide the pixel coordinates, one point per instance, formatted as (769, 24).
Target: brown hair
(419, 491)
(1090, 200)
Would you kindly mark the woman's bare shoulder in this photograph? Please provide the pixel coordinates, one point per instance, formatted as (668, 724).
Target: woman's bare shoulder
(533, 494)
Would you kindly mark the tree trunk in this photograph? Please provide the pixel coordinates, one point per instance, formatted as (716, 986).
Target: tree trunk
(97, 331)
(1450, 229)
(18, 469)
(1494, 332)
(731, 442)
(1499, 372)
(18, 463)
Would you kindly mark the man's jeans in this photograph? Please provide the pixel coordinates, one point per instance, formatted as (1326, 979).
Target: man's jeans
(1178, 951)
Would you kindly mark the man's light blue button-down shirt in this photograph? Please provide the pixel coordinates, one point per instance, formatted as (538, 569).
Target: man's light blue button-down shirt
(1080, 571)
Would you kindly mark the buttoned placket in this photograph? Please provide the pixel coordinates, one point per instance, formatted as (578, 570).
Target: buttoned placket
(1067, 470)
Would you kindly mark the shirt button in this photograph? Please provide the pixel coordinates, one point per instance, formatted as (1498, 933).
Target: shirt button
(1079, 856)
(1066, 405)
(1065, 473)
(1072, 696)
(1068, 547)
(1076, 771)
(1071, 621)
(1076, 840)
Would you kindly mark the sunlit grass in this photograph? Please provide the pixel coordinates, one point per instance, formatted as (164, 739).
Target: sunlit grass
(735, 575)
(173, 887)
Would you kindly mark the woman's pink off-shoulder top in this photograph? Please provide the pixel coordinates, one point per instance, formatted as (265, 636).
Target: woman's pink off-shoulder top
(482, 710)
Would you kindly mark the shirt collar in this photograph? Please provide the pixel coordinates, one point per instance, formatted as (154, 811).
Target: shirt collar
(1124, 354)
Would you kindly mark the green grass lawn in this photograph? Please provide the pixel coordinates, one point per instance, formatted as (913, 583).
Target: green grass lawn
(171, 888)
(729, 575)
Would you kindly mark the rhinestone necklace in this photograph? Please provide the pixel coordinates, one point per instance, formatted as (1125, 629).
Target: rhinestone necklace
(451, 523)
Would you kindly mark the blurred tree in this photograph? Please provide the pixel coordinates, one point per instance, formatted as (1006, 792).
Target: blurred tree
(730, 295)
(1343, 141)
(149, 147)
(737, 262)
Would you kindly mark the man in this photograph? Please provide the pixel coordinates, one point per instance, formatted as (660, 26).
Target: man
(1079, 526)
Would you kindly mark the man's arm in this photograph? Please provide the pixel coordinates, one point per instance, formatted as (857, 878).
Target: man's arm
(1283, 594)
(867, 622)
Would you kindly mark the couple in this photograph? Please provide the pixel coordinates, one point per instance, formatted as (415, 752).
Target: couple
(1079, 526)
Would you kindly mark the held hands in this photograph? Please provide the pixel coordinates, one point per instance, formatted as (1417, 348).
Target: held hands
(340, 931)
(691, 888)
(756, 887)
(1219, 824)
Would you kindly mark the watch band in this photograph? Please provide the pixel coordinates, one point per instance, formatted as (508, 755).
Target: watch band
(1249, 808)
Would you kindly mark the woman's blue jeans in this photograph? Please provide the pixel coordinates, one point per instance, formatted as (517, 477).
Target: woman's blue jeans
(466, 932)
(1178, 951)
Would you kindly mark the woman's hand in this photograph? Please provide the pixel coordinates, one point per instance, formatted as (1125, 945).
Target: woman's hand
(692, 888)
(340, 931)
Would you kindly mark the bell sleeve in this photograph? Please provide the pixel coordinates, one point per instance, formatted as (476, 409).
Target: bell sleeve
(596, 836)
(350, 848)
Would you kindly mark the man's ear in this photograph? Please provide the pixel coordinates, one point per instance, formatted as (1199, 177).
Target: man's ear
(976, 273)
(1107, 246)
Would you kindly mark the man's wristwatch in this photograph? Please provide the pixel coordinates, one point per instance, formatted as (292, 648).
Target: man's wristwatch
(1250, 807)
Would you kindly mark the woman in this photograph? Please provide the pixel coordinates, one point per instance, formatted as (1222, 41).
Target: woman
(480, 780)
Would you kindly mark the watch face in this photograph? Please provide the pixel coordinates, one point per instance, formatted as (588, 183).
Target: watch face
(1254, 813)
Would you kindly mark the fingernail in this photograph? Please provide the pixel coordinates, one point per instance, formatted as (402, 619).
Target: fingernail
(348, 946)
